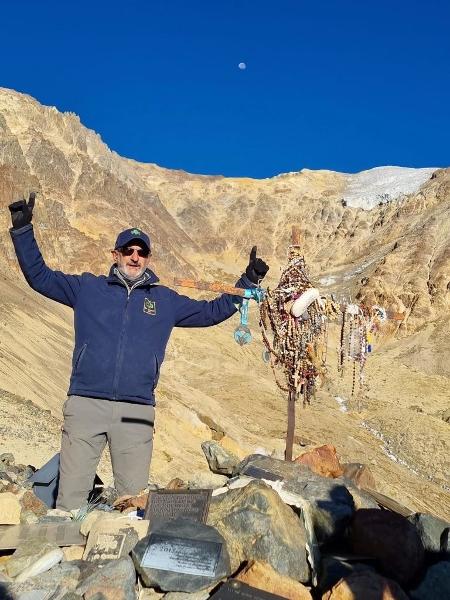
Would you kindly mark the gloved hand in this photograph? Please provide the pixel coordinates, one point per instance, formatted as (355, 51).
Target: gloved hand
(22, 211)
(257, 268)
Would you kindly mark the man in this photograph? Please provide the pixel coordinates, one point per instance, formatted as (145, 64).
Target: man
(122, 325)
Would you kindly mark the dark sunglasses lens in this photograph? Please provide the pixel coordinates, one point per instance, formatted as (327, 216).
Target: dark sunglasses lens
(129, 251)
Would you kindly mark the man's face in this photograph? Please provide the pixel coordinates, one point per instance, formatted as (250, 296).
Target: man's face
(132, 260)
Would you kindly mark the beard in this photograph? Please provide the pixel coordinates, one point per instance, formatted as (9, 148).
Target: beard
(131, 274)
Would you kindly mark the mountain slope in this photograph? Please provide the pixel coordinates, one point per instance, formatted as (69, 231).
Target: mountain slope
(395, 254)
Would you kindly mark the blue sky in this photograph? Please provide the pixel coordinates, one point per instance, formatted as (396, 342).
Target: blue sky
(343, 85)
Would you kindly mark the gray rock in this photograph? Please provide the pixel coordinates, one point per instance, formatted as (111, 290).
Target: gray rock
(172, 581)
(257, 525)
(361, 498)
(61, 579)
(331, 503)
(434, 532)
(7, 459)
(27, 517)
(115, 580)
(220, 460)
(26, 554)
(435, 584)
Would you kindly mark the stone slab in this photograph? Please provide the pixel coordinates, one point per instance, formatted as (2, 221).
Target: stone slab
(170, 578)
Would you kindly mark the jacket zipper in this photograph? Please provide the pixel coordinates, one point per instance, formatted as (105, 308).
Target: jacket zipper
(119, 358)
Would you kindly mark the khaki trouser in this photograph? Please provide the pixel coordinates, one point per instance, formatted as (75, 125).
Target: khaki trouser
(88, 424)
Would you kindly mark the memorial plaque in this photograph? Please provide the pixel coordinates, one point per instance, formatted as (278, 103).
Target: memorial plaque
(236, 590)
(182, 555)
(166, 505)
(259, 473)
(106, 546)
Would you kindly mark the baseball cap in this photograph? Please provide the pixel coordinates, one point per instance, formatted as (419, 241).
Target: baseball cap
(130, 235)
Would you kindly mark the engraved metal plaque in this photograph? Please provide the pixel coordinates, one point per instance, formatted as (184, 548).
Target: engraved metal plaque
(236, 590)
(165, 505)
(258, 473)
(182, 555)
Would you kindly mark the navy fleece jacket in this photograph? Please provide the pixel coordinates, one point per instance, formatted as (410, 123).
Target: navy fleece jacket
(120, 335)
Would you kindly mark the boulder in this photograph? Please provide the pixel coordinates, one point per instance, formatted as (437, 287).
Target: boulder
(206, 480)
(360, 474)
(64, 578)
(10, 509)
(361, 498)
(257, 525)
(29, 501)
(232, 446)
(261, 575)
(334, 568)
(115, 581)
(220, 460)
(435, 584)
(322, 461)
(178, 541)
(27, 517)
(41, 565)
(26, 554)
(6, 460)
(434, 532)
(365, 585)
(331, 504)
(390, 538)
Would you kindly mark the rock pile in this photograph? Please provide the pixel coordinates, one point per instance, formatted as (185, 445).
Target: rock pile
(274, 530)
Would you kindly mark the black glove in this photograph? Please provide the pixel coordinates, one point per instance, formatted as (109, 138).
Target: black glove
(22, 211)
(256, 268)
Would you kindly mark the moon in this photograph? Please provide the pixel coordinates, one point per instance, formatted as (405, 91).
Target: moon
(242, 66)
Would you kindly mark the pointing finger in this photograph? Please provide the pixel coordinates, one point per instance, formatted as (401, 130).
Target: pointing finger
(253, 253)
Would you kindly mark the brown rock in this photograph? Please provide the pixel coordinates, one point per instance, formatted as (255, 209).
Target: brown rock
(360, 474)
(10, 509)
(32, 503)
(126, 502)
(391, 539)
(176, 484)
(365, 585)
(322, 460)
(261, 575)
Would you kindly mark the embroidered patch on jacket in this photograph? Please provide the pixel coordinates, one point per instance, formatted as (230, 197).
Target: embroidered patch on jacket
(149, 307)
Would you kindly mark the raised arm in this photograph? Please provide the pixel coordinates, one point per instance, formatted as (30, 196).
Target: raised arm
(52, 284)
(203, 313)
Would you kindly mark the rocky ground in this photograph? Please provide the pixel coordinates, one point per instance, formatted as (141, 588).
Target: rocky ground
(309, 529)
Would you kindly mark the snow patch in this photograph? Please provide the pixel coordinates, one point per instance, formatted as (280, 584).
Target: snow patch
(327, 280)
(385, 446)
(383, 184)
(342, 404)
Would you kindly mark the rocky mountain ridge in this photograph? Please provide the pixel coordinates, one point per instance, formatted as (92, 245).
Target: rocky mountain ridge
(396, 254)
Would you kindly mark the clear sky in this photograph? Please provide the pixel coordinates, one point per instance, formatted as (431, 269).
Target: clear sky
(342, 85)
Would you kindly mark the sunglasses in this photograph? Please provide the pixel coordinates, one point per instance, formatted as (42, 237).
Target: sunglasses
(142, 252)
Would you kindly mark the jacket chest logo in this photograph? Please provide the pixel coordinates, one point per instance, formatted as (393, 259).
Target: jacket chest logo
(149, 307)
